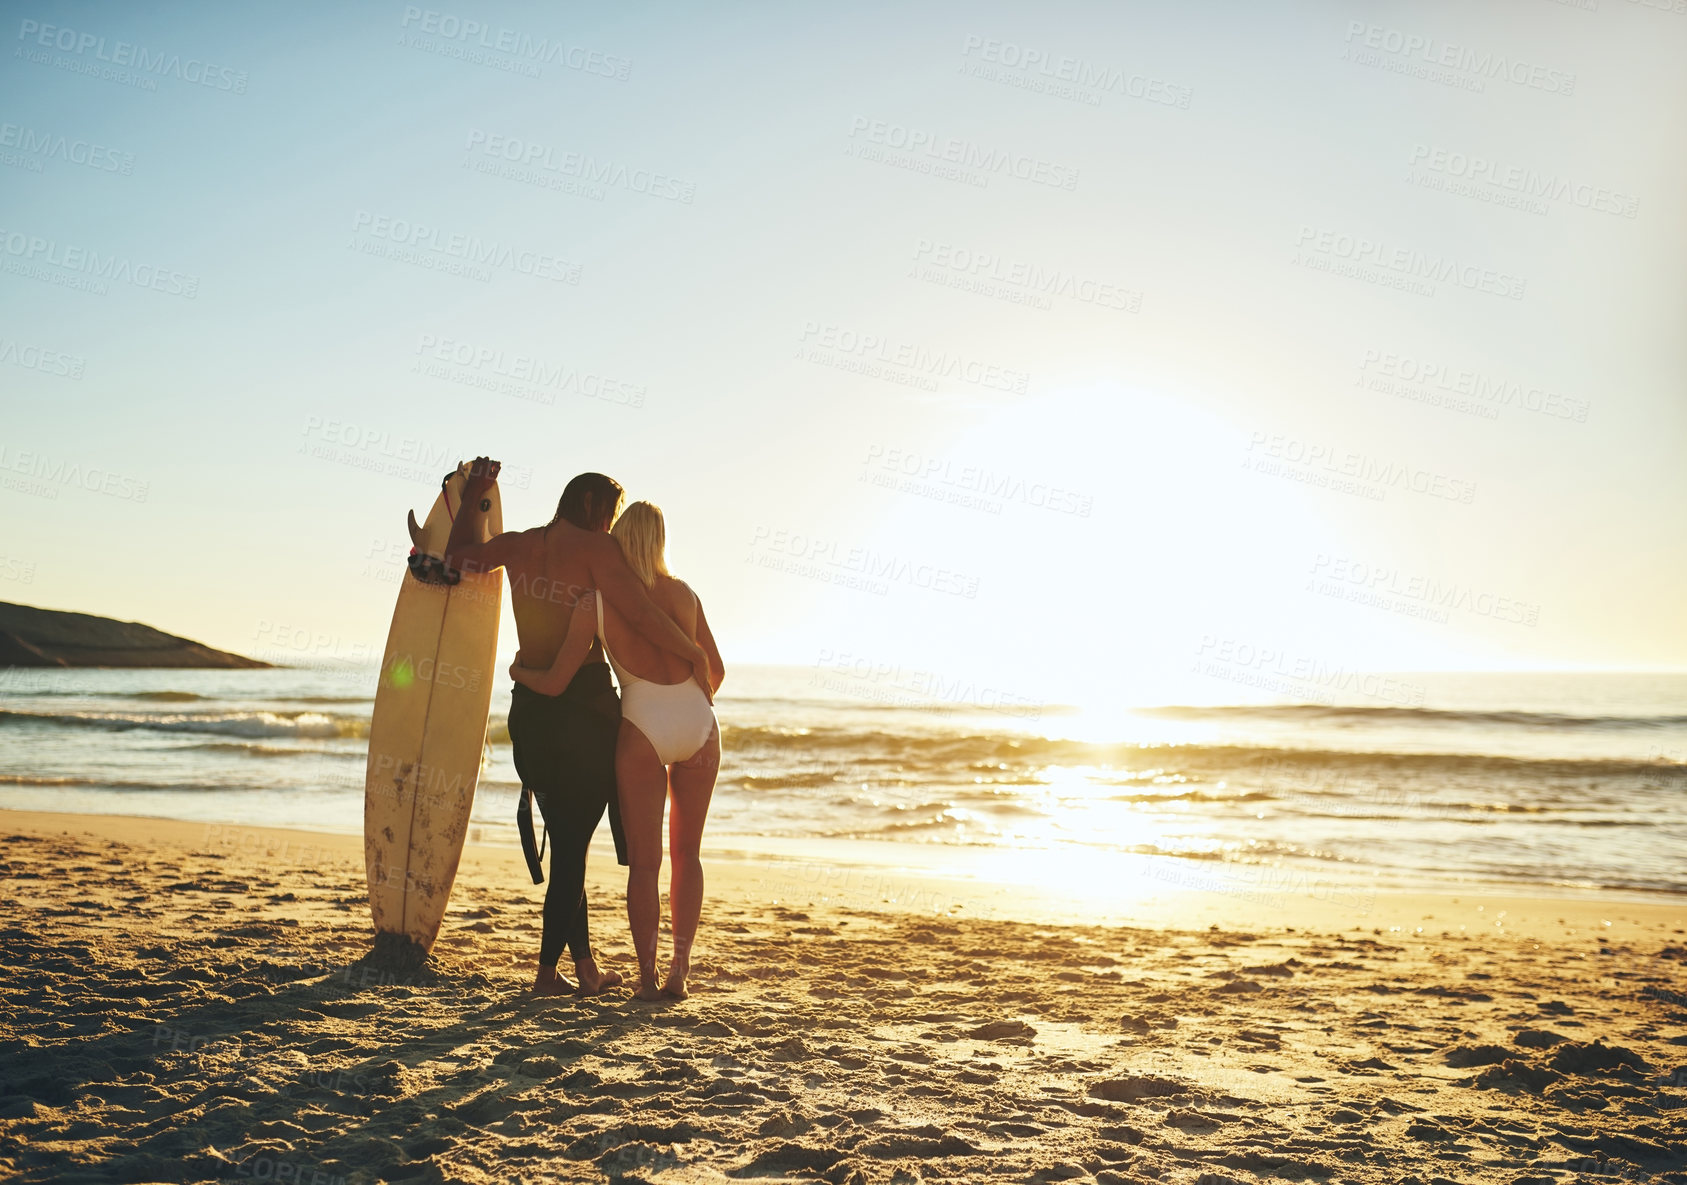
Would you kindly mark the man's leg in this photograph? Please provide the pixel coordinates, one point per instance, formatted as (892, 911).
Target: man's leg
(580, 935)
(592, 740)
(593, 979)
(572, 817)
(537, 761)
(564, 896)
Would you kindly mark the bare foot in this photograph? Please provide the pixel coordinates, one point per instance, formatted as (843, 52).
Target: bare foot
(674, 988)
(647, 989)
(592, 980)
(549, 983)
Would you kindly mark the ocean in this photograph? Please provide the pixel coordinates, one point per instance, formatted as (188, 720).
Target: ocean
(1569, 781)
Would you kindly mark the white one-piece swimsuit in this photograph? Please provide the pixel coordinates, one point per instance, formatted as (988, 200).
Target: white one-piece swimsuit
(674, 717)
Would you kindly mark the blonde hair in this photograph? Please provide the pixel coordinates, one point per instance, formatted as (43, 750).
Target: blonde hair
(643, 537)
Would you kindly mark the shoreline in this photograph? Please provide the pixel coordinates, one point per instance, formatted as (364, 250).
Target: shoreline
(1032, 869)
(1159, 893)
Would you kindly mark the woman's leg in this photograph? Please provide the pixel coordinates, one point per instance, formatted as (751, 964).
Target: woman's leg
(642, 783)
(692, 784)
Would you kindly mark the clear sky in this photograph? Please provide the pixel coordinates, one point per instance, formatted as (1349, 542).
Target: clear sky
(1059, 348)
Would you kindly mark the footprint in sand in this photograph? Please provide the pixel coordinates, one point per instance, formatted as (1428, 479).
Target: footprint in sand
(1130, 1089)
(1017, 1131)
(1190, 1120)
(1461, 1057)
(791, 1049)
(1003, 1030)
(1240, 987)
(1283, 970)
(785, 1123)
(1595, 1057)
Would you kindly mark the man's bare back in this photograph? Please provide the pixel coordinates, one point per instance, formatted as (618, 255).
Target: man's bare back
(551, 568)
(549, 571)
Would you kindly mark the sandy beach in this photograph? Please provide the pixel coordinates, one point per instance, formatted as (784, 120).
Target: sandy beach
(188, 1002)
(1140, 547)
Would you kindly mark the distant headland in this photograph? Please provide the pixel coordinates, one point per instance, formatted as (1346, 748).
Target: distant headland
(31, 637)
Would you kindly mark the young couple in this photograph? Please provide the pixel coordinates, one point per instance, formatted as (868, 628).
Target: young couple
(590, 585)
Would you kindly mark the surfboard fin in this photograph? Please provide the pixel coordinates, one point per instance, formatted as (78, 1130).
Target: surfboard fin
(415, 530)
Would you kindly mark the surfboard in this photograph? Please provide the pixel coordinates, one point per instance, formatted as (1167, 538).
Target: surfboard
(428, 727)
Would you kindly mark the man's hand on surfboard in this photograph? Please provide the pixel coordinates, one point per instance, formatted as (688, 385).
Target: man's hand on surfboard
(464, 552)
(483, 472)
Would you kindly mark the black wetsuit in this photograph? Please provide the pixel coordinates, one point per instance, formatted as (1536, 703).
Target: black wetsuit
(565, 753)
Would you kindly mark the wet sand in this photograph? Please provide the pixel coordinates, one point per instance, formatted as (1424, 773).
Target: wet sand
(192, 1003)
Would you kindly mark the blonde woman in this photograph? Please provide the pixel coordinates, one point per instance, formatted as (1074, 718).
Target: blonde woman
(668, 752)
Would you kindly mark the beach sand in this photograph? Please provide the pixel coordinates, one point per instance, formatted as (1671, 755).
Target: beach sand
(188, 1003)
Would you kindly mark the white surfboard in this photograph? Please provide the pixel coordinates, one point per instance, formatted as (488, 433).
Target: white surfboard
(429, 723)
